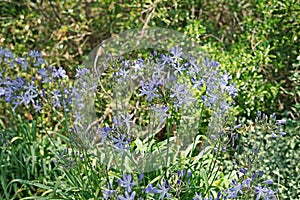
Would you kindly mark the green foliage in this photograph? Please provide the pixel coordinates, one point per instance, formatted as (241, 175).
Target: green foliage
(25, 156)
(282, 162)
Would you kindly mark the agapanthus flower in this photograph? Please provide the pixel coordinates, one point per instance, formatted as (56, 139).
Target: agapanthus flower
(137, 66)
(80, 72)
(163, 190)
(127, 119)
(159, 69)
(43, 72)
(34, 54)
(149, 90)
(126, 182)
(264, 192)
(235, 190)
(8, 56)
(59, 73)
(141, 176)
(178, 68)
(121, 142)
(165, 59)
(56, 96)
(2, 91)
(269, 182)
(176, 53)
(37, 107)
(231, 89)
(39, 61)
(103, 133)
(161, 112)
(182, 95)
(197, 83)
(281, 122)
(108, 193)
(150, 189)
(127, 196)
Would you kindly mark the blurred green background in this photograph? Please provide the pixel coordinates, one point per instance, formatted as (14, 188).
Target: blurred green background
(256, 41)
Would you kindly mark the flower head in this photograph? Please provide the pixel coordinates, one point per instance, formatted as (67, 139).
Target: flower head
(163, 190)
(127, 196)
(126, 182)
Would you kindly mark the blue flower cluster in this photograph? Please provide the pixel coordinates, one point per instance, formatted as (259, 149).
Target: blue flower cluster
(19, 89)
(127, 183)
(176, 184)
(175, 80)
(169, 82)
(161, 78)
(269, 124)
(248, 186)
(118, 135)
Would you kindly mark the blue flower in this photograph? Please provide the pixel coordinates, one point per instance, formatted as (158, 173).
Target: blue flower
(104, 133)
(31, 88)
(244, 171)
(247, 182)
(126, 182)
(197, 83)
(80, 72)
(127, 119)
(235, 190)
(39, 61)
(137, 66)
(22, 62)
(274, 135)
(17, 83)
(264, 192)
(160, 112)
(107, 193)
(282, 133)
(8, 56)
(163, 190)
(149, 90)
(43, 72)
(25, 98)
(178, 90)
(182, 95)
(2, 91)
(37, 107)
(127, 196)
(59, 73)
(194, 69)
(178, 68)
(176, 53)
(122, 74)
(121, 143)
(141, 176)
(159, 69)
(123, 120)
(56, 98)
(281, 122)
(165, 59)
(268, 182)
(150, 189)
(231, 89)
(210, 63)
(34, 54)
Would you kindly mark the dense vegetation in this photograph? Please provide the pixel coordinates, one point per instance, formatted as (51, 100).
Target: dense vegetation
(255, 43)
